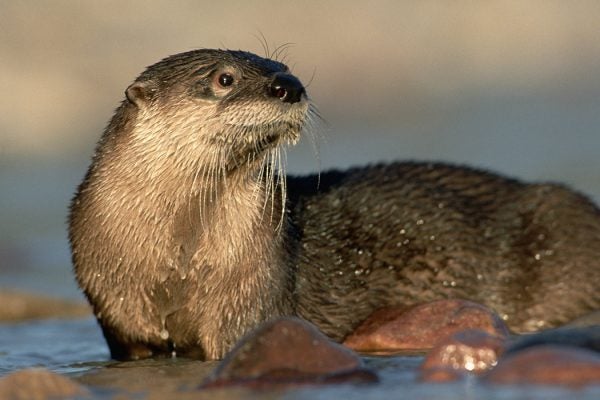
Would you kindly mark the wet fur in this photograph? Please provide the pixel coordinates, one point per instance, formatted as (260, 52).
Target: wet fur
(181, 243)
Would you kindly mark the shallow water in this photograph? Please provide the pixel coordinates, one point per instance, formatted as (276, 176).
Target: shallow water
(77, 349)
(63, 346)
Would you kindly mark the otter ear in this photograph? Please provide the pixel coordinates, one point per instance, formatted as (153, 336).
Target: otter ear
(140, 93)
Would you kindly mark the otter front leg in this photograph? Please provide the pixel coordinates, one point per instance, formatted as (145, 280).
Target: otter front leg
(123, 349)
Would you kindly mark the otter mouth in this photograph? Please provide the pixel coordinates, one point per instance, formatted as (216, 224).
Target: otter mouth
(259, 140)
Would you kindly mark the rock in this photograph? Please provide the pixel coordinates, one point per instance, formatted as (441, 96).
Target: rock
(442, 375)
(423, 326)
(548, 365)
(470, 351)
(39, 384)
(288, 351)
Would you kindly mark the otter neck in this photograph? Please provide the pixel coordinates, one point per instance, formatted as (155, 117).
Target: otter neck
(194, 214)
(231, 222)
(239, 256)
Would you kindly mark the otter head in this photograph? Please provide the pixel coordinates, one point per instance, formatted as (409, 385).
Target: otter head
(218, 109)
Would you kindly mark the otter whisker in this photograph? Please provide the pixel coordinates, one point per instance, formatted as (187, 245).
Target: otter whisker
(259, 180)
(268, 182)
(273, 181)
(281, 50)
(282, 179)
(214, 179)
(202, 191)
(192, 194)
(221, 176)
(314, 132)
(263, 42)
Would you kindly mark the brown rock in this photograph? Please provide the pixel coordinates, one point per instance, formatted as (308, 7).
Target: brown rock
(548, 365)
(288, 351)
(39, 384)
(423, 326)
(441, 375)
(470, 351)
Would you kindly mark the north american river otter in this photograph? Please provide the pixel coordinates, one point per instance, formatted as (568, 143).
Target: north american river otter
(184, 236)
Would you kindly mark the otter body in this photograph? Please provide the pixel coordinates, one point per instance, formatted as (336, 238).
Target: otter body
(184, 237)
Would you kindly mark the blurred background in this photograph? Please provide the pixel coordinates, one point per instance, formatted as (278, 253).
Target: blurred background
(510, 86)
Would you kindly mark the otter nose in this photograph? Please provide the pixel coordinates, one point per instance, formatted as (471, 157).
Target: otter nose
(287, 88)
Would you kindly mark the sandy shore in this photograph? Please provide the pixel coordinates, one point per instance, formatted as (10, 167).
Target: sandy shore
(20, 306)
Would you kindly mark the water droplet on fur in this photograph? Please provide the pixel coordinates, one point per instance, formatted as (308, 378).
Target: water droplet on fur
(540, 323)
(164, 334)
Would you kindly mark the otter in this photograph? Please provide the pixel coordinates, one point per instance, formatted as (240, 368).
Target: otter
(185, 234)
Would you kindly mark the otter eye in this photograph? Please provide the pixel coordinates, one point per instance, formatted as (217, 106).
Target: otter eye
(225, 80)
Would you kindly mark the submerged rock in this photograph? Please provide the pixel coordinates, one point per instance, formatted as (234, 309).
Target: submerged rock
(548, 365)
(466, 352)
(423, 326)
(288, 351)
(39, 384)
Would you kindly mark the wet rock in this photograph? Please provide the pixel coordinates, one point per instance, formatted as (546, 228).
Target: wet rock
(39, 384)
(470, 351)
(442, 375)
(423, 326)
(288, 351)
(548, 365)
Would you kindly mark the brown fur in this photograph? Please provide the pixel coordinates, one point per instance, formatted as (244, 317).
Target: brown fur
(181, 243)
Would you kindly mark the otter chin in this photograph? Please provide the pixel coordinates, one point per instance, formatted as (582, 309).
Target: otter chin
(186, 234)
